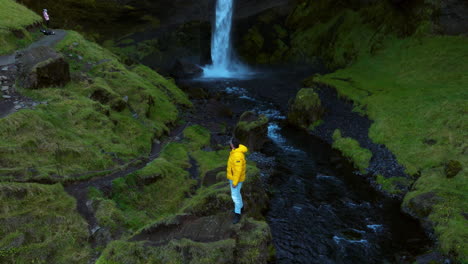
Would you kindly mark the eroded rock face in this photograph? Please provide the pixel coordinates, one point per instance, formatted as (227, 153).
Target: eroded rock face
(251, 130)
(421, 205)
(454, 17)
(185, 69)
(42, 67)
(305, 109)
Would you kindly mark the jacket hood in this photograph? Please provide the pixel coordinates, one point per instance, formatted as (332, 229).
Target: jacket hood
(241, 148)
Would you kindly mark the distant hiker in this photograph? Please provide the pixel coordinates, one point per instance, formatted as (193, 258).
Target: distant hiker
(236, 175)
(46, 17)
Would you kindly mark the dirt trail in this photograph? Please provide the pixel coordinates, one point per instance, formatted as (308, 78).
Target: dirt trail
(79, 190)
(11, 101)
(48, 41)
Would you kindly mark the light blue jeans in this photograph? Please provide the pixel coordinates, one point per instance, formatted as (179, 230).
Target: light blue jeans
(236, 197)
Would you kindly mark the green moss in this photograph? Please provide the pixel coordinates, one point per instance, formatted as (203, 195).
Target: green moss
(109, 112)
(108, 215)
(197, 137)
(351, 149)
(195, 252)
(248, 125)
(447, 214)
(15, 19)
(305, 110)
(39, 224)
(413, 89)
(210, 200)
(249, 243)
(208, 160)
(391, 185)
(315, 124)
(254, 243)
(16, 16)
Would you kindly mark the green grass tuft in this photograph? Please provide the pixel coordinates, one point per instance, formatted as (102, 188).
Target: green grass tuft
(197, 137)
(15, 18)
(39, 224)
(351, 149)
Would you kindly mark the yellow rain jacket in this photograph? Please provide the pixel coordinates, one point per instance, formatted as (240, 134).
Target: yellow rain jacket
(236, 165)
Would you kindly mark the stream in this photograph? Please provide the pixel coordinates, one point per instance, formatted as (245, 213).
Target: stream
(320, 211)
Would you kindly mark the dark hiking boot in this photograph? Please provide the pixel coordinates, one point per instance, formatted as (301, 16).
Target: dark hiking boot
(236, 218)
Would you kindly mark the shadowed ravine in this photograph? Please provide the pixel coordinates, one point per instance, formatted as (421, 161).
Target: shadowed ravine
(320, 211)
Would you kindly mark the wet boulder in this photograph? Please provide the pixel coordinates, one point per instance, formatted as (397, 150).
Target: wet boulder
(305, 110)
(42, 67)
(252, 130)
(184, 69)
(421, 205)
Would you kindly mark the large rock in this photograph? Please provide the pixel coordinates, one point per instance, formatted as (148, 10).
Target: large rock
(184, 69)
(252, 130)
(306, 109)
(453, 18)
(42, 67)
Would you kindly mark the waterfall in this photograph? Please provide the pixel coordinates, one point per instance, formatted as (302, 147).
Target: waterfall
(224, 63)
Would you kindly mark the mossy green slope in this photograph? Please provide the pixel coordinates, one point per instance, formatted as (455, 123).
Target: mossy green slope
(15, 17)
(39, 224)
(408, 80)
(352, 150)
(415, 91)
(107, 113)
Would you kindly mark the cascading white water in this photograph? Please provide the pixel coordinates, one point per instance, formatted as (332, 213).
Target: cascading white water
(224, 65)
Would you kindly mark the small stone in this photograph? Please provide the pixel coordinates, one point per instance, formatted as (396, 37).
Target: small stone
(5, 88)
(75, 44)
(125, 98)
(5, 68)
(6, 96)
(17, 107)
(70, 55)
(34, 104)
(3, 78)
(80, 58)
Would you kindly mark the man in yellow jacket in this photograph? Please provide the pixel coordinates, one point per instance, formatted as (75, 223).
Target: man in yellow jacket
(236, 176)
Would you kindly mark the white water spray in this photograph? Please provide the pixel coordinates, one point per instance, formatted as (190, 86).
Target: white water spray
(224, 64)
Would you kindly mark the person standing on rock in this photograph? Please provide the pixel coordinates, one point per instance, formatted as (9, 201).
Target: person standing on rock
(236, 176)
(46, 17)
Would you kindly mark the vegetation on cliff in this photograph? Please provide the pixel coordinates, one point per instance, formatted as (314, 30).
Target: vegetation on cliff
(40, 224)
(411, 83)
(408, 79)
(16, 19)
(108, 114)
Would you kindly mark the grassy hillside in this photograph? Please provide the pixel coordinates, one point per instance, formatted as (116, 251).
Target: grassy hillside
(415, 91)
(412, 84)
(14, 20)
(107, 115)
(410, 81)
(39, 224)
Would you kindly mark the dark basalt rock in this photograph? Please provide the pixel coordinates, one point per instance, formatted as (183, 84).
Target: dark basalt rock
(305, 109)
(184, 69)
(251, 130)
(421, 205)
(42, 67)
(452, 168)
(453, 17)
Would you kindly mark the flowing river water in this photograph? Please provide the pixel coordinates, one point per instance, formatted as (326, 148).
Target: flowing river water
(320, 211)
